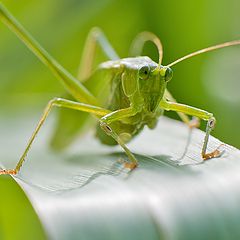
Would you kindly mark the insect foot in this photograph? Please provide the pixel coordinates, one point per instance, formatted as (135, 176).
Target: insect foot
(8, 172)
(127, 165)
(130, 165)
(214, 154)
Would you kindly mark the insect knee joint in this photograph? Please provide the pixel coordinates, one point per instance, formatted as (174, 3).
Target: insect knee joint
(212, 122)
(55, 101)
(105, 127)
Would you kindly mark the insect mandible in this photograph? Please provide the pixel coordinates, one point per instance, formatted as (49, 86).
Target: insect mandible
(138, 90)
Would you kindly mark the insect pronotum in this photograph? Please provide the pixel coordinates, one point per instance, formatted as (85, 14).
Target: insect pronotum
(138, 92)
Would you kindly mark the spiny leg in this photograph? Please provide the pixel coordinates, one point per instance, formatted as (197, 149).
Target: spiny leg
(58, 102)
(193, 123)
(94, 37)
(200, 114)
(115, 116)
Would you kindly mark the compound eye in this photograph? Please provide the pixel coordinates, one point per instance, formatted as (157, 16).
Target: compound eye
(168, 74)
(144, 72)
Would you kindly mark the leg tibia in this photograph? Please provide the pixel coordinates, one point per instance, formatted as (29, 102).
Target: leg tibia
(114, 116)
(200, 114)
(216, 153)
(58, 102)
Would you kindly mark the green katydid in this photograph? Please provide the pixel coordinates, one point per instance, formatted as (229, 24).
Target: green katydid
(138, 90)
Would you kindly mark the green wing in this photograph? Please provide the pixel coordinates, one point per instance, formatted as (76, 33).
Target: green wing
(70, 124)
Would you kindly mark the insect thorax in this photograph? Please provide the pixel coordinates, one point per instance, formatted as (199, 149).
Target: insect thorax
(131, 126)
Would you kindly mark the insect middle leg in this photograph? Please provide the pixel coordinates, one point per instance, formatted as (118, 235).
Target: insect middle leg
(58, 102)
(200, 114)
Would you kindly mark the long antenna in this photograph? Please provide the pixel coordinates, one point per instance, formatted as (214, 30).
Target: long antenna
(140, 40)
(208, 49)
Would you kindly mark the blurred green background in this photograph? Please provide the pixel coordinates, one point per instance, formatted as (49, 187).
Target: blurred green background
(210, 81)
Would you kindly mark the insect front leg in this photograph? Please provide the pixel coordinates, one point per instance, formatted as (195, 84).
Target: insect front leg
(200, 114)
(116, 116)
(58, 102)
(193, 123)
(94, 38)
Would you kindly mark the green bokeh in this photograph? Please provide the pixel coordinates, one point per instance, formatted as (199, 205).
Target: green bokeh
(61, 26)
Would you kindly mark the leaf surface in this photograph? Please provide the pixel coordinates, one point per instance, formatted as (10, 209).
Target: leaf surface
(85, 193)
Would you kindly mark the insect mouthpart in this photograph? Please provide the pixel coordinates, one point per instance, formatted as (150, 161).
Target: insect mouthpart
(164, 71)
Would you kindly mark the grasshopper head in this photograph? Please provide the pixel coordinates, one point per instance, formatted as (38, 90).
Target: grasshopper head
(144, 77)
(152, 84)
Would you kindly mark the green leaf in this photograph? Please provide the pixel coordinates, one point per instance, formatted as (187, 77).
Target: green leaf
(86, 193)
(18, 220)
